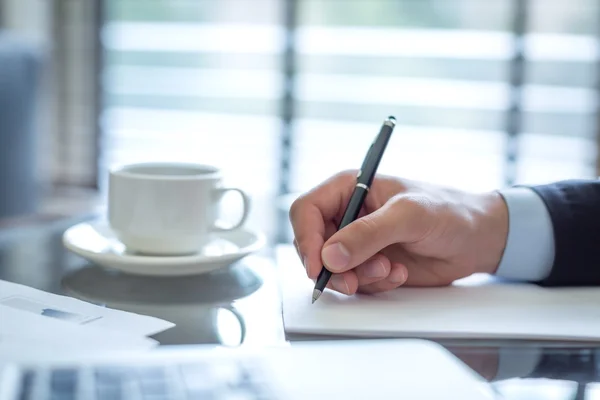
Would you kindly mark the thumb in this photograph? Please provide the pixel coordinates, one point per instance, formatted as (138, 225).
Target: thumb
(398, 221)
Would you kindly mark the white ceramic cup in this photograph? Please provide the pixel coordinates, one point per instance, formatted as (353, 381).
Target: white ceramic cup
(167, 208)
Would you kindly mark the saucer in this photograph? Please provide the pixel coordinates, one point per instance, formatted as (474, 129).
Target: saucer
(96, 242)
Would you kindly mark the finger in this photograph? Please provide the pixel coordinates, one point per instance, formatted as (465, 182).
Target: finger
(430, 272)
(330, 229)
(308, 245)
(345, 283)
(313, 268)
(398, 221)
(374, 269)
(309, 215)
(396, 278)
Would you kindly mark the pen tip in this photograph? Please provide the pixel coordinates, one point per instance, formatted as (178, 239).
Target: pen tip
(316, 295)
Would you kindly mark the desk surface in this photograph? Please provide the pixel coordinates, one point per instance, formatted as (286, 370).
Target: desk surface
(242, 305)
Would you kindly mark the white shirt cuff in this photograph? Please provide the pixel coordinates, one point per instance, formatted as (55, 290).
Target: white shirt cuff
(529, 252)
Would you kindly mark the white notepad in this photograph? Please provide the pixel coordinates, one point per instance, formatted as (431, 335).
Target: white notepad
(477, 307)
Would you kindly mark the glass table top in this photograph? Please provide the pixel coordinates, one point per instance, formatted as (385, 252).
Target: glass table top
(241, 305)
(233, 306)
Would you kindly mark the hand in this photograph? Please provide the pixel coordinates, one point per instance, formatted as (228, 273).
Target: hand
(483, 360)
(408, 233)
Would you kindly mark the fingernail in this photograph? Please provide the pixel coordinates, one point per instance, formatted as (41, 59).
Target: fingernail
(375, 269)
(398, 275)
(305, 263)
(336, 257)
(339, 283)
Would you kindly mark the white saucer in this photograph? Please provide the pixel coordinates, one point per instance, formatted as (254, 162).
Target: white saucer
(96, 242)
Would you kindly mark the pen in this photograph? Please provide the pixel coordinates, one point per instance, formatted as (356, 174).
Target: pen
(364, 178)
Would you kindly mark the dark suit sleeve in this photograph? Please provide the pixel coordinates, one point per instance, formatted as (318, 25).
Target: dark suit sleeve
(574, 208)
(572, 365)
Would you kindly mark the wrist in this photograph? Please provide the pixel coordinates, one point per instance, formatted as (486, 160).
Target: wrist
(492, 231)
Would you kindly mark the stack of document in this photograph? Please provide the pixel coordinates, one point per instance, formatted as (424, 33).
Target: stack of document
(37, 323)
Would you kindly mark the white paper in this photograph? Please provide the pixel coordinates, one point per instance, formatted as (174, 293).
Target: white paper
(27, 336)
(77, 312)
(476, 307)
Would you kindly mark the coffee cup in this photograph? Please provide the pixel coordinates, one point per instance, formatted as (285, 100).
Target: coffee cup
(168, 208)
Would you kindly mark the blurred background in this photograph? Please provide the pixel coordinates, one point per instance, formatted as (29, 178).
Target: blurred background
(282, 94)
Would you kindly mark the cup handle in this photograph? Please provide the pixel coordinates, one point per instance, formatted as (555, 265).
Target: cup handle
(245, 205)
(240, 319)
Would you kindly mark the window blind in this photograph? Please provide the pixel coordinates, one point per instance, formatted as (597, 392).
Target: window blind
(448, 86)
(444, 69)
(64, 36)
(487, 94)
(74, 62)
(196, 81)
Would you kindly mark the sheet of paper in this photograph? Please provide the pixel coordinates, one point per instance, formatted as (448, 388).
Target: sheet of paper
(27, 336)
(77, 312)
(476, 307)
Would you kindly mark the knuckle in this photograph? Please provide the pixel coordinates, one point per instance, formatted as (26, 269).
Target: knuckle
(411, 202)
(367, 226)
(347, 172)
(345, 175)
(414, 213)
(417, 205)
(296, 207)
